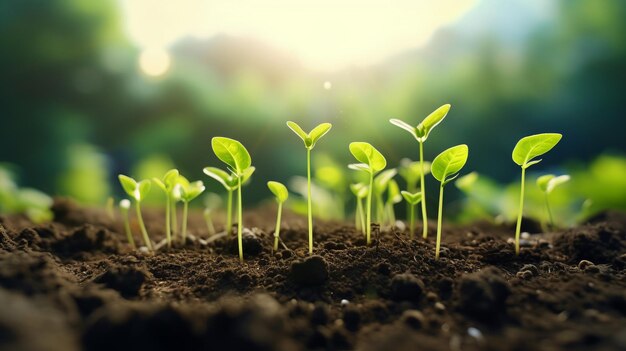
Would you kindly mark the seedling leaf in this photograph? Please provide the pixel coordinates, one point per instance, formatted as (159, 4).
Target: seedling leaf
(542, 182)
(221, 176)
(298, 130)
(128, 184)
(449, 162)
(466, 182)
(192, 190)
(412, 198)
(232, 152)
(144, 189)
(359, 190)
(359, 167)
(431, 121)
(548, 182)
(404, 125)
(318, 132)
(532, 146)
(279, 190)
(367, 154)
(382, 180)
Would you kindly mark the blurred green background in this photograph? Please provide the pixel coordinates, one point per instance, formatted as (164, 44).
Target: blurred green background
(91, 89)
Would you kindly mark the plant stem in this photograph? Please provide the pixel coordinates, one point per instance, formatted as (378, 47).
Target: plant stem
(368, 227)
(229, 213)
(185, 212)
(380, 208)
(308, 176)
(423, 186)
(550, 218)
(239, 222)
(357, 219)
(129, 234)
(277, 230)
(174, 219)
(361, 215)
(168, 228)
(518, 227)
(144, 232)
(209, 222)
(412, 221)
(439, 221)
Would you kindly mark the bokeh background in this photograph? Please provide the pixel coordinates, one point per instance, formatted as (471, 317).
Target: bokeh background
(90, 89)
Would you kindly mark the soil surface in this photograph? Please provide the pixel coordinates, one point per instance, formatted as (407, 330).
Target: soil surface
(75, 284)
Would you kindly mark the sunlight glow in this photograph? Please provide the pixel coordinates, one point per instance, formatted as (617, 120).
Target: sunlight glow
(154, 62)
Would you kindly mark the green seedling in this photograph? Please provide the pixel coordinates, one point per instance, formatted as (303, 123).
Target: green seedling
(445, 168)
(360, 192)
(412, 199)
(235, 155)
(138, 191)
(547, 183)
(309, 140)
(125, 207)
(372, 162)
(168, 184)
(411, 172)
(524, 152)
(188, 192)
(393, 197)
(281, 194)
(420, 133)
(230, 182)
(211, 202)
(381, 182)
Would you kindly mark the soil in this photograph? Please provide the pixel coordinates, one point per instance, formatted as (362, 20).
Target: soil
(75, 284)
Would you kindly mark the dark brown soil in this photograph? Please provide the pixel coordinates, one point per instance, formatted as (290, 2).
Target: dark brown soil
(75, 284)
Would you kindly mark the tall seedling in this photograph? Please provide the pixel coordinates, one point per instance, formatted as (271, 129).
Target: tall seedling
(188, 192)
(309, 140)
(412, 199)
(360, 192)
(420, 133)
(138, 191)
(281, 194)
(167, 184)
(230, 182)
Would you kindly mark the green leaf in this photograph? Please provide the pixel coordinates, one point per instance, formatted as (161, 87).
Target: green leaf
(532, 146)
(466, 182)
(191, 191)
(299, 132)
(367, 154)
(359, 167)
(405, 126)
(160, 184)
(247, 173)
(382, 180)
(221, 176)
(412, 198)
(548, 182)
(449, 162)
(169, 179)
(542, 182)
(393, 192)
(318, 132)
(231, 152)
(359, 190)
(129, 185)
(143, 188)
(279, 190)
(431, 121)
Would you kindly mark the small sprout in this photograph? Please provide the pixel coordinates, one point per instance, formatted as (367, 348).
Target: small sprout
(168, 185)
(188, 192)
(381, 182)
(412, 199)
(445, 168)
(230, 183)
(235, 155)
(372, 162)
(393, 197)
(137, 191)
(309, 140)
(547, 183)
(125, 207)
(523, 155)
(360, 191)
(211, 202)
(281, 194)
(411, 172)
(421, 133)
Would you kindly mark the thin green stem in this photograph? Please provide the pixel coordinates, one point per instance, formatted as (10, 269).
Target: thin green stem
(142, 226)
(277, 230)
(239, 221)
(174, 219)
(229, 213)
(129, 233)
(380, 208)
(308, 176)
(209, 222)
(439, 221)
(423, 186)
(361, 215)
(412, 221)
(368, 227)
(168, 228)
(518, 227)
(185, 212)
(357, 219)
(550, 218)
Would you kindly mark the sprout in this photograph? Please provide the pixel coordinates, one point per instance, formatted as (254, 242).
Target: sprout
(547, 183)
(393, 197)
(309, 143)
(137, 191)
(281, 193)
(420, 133)
(230, 183)
(381, 183)
(360, 191)
(235, 155)
(445, 168)
(411, 172)
(412, 199)
(168, 184)
(188, 192)
(125, 207)
(372, 162)
(524, 152)
(211, 202)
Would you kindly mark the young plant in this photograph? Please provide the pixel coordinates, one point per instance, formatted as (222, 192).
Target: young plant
(360, 192)
(230, 182)
(411, 172)
(547, 183)
(211, 202)
(188, 192)
(309, 140)
(412, 199)
(445, 168)
(137, 191)
(420, 133)
(125, 207)
(524, 152)
(167, 184)
(381, 182)
(235, 155)
(372, 162)
(393, 197)
(281, 194)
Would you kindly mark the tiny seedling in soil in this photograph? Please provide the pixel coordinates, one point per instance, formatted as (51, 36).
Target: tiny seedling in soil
(211, 202)
(524, 152)
(547, 183)
(230, 183)
(167, 184)
(360, 192)
(420, 133)
(235, 155)
(125, 207)
(309, 140)
(445, 168)
(393, 197)
(281, 194)
(381, 182)
(412, 199)
(372, 162)
(137, 191)
(188, 192)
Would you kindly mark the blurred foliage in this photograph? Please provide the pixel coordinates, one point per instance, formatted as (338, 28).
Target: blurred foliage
(15, 200)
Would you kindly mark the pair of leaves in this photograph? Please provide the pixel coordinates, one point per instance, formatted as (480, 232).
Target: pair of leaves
(191, 190)
(134, 189)
(448, 163)
(168, 182)
(411, 171)
(382, 180)
(372, 160)
(423, 129)
(311, 138)
(228, 180)
(412, 198)
(359, 190)
(232, 153)
(532, 146)
(279, 190)
(548, 182)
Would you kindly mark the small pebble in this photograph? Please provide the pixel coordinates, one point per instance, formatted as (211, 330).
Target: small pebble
(344, 302)
(524, 275)
(525, 235)
(439, 307)
(414, 319)
(475, 333)
(582, 265)
(431, 296)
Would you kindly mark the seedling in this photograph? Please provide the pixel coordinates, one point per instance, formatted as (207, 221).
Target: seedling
(281, 193)
(411, 172)
(412, 199)
(211, 202)
(524, 152)
(309, 140)
(125, 207)
(137, 191)
(360, 192)
(547, 183)
(381, 182)
(393, 197)
(230, 183)
(168, 185)
(188, 192)
(235, 155)
(445, 168)
(372, 162)
(420, 133)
